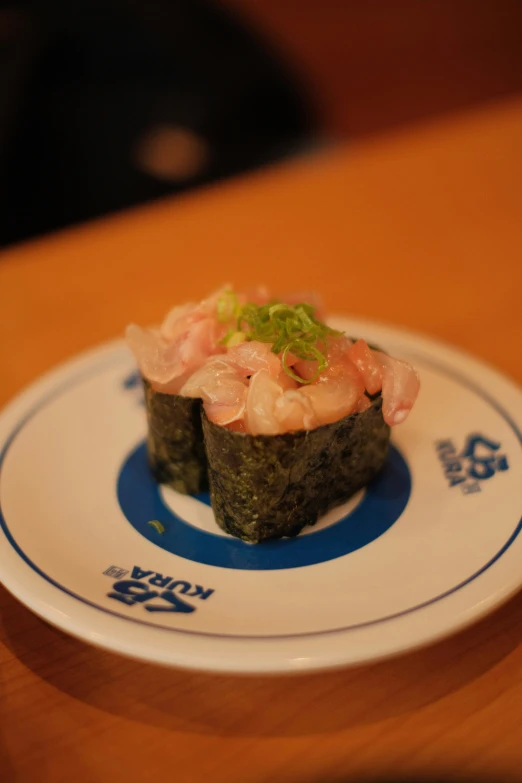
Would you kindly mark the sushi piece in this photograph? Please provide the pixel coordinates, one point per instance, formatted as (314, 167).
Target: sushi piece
(271, 486)
(167, 356)
(294, 417)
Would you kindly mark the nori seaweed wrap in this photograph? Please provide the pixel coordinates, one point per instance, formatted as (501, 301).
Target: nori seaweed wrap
(271, 486)
(175, 441)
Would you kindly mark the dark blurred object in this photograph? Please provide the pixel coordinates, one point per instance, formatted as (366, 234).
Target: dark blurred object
(112, 103)
(105, 104)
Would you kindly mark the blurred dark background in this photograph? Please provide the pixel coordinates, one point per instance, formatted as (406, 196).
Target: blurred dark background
(109, 103)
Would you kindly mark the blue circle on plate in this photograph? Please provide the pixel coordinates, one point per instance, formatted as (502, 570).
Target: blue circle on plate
(140, 500)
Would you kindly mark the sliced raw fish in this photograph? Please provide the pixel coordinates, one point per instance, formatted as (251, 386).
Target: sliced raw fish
(400, 387)
(364, 359)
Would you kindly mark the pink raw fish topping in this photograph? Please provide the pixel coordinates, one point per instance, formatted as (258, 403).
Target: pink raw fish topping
(275, 403)
(400, 387)
(294, 411)
(187, 337)
(249, 357)
(363, 358)
(222, 389)
(263, 392)
(245, 386)
(158, 360)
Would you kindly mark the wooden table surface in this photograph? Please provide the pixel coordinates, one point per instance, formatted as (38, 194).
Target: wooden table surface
(422, 228)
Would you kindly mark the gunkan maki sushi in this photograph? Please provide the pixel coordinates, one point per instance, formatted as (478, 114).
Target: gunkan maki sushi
(258, 398)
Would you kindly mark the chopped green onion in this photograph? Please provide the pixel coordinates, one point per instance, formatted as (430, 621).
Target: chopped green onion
(289, 329)
(157, 526)
(232, 338)
(227, 307)
(235, 339)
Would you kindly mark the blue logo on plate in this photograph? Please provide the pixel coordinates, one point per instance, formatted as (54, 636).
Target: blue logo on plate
(153, 591)
(478, 461)
(141, 502)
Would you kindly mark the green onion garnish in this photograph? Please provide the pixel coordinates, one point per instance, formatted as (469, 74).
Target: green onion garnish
(157, 526)
(290, 329)
(228, 307)
(232, 337)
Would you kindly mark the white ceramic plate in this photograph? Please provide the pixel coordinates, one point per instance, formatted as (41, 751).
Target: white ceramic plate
(432, 545)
